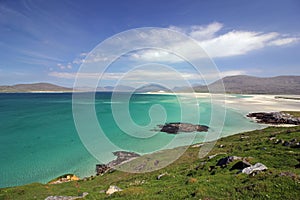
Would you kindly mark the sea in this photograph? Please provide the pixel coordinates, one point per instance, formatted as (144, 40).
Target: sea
(40, 140)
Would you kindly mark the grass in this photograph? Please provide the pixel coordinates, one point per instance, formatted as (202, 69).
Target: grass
(189, 177)
(294, 113)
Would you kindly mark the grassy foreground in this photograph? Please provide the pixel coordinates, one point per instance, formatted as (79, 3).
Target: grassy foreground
(191, 177)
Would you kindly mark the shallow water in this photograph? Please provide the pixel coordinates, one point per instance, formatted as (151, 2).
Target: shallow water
(39, 141)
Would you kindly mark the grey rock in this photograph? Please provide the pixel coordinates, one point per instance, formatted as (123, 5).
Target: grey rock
(174, 128)
(161, 175)
(254, 168)
(240, 165)
(66, 197)
(122, 157)
(275, 118)
(112, 189)
(225, 161)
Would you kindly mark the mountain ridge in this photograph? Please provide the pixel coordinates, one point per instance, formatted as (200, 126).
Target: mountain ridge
(34, 87)
(240, 84)
(246, 84)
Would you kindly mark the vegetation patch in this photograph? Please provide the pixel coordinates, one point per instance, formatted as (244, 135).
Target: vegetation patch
(191, 177)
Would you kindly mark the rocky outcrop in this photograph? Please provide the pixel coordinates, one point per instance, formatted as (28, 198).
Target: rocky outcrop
(67, 197)
(275, 118)
(258, 167)
(112, 189)
(225, 161)
(122, 157)
(102, 169)
(174, 128)
(240, 165)
(64, 178)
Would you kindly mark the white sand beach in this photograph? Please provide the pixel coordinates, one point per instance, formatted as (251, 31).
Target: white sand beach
(266, 103)
(249, 102)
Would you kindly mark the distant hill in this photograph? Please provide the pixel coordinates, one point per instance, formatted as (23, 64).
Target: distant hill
(241, 84)
(121, 88)
(34, 87)
(152, 88)
(255, 85)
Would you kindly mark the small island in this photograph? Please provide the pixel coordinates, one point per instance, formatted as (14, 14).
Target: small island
(177, 127)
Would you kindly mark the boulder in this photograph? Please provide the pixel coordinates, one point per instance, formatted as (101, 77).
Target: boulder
(258, 167)
(225, 161)
(240, 165)
(67, 197)
(161, 175)
(112, 189)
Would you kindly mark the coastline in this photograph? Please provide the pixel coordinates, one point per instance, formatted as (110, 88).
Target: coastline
(234, 101)
(191, 171)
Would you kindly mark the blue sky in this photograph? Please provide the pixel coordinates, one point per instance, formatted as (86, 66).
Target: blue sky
(47, 41)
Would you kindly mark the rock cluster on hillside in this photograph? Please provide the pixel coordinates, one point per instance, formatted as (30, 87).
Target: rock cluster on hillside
(122, 157)
(275, 118)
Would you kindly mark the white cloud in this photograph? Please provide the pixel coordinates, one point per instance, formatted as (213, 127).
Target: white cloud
(83, 54)
(212, 38)
(230, 43)
(284, 41)
(78, 61)
(200, 32)
(236, 43)
(205, 32)
(62, 67)
(152, 55)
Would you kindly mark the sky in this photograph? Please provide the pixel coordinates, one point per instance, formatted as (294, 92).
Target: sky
(50, 41)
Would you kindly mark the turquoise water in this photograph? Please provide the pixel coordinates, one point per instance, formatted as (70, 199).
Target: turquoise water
(39, 141)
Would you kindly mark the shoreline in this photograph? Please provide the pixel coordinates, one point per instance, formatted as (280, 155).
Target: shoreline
(111, 168)
(236, 105)
(194, 146)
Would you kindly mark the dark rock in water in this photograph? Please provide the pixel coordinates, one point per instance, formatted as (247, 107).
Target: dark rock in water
(174, 128)
(240, 165)
(275, 118)
(122, 157)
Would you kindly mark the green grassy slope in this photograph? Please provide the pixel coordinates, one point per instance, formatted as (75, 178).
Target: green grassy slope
(190, 178)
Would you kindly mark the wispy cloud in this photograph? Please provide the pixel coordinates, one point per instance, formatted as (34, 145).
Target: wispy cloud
(226, 44)
(200, 33)
(237, 43)
(67, 66)
(212, 38)
(284, 41)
